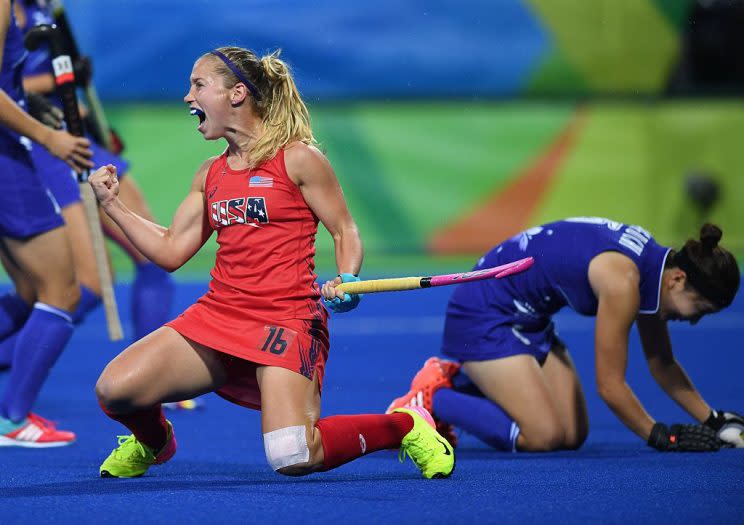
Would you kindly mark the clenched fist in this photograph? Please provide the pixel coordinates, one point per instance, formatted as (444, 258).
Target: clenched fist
(105, 184)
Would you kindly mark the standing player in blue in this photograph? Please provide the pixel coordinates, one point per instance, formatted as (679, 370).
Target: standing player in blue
(152, 289)
(512, 382)
(35, 247)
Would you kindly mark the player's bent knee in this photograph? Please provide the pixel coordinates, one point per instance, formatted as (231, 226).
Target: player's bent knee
(113, 397)
(287, 451)
(105, 393)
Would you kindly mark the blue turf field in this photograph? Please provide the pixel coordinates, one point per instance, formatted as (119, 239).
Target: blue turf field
(220, 474)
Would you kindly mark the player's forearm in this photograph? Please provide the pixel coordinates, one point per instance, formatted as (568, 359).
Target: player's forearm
(674, 381)
(349, 250)
(626, 406)
(149, 238)
(43, 84)
(13, 117)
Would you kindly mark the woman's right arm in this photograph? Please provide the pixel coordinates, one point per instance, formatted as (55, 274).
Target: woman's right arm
(615, 279)
(11, 116)
(168, 247)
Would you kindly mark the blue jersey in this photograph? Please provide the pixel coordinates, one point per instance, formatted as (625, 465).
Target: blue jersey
(488, 316)
(11, 71)
(40, 60)
(55, 174)
(26, 206)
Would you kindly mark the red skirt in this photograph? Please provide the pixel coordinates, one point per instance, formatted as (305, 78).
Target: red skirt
(245, 342)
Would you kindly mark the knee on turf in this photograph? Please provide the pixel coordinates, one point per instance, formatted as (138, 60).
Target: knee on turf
(287, 451)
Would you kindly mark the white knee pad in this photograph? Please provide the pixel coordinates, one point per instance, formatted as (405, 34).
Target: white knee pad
(286, 447)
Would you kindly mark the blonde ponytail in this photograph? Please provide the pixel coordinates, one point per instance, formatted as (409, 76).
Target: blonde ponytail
(285, 116)
(275, 97)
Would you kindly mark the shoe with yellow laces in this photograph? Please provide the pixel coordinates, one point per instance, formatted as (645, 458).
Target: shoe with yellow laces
(132, 458)
(431, 453)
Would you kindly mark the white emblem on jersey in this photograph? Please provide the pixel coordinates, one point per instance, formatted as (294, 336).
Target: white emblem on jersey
(524, 308)
(526, 236)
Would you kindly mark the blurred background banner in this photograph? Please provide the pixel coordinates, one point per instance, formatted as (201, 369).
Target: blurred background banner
(389, 48)
(454, 125)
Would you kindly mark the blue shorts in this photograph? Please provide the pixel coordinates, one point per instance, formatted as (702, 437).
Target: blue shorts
(499, 341)
(482, 333)
(27, 207)
(62, 180)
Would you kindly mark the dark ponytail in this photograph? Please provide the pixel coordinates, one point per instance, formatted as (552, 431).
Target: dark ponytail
(711, 269)
(710, 235)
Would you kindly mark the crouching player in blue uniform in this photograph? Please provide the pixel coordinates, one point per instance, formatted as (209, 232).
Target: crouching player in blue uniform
(34, 247)
(152, 289)
(511, 381)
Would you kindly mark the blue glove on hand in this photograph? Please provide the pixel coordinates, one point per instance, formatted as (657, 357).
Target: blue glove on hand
(349, 302)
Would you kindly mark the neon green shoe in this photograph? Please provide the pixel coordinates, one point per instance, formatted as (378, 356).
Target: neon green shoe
(132, 458)
(431, 453)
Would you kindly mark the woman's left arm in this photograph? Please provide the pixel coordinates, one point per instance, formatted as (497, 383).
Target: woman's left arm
(665, 369)
(310, 170)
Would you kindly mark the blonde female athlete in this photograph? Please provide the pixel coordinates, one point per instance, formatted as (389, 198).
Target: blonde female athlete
(259, 336)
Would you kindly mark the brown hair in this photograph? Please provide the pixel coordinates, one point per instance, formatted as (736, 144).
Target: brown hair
(711, 269)
(284, 114)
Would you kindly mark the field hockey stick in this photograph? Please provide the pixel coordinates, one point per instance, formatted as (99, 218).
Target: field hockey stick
(414, 283)
(94, 103)
(65, 79)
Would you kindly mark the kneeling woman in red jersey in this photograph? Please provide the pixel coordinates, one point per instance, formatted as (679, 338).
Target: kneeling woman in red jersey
(259, 336)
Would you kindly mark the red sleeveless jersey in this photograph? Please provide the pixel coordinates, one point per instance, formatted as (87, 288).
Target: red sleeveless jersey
(263, 305)
(266, 235)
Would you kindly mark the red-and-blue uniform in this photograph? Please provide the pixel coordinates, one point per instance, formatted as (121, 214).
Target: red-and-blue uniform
(498, 318)
(26, 206)
(263, 305)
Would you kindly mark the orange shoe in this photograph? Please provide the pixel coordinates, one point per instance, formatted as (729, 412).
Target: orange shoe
(36, 432)
(435, 374)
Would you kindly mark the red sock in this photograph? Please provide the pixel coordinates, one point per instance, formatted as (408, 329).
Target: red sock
(148, 425)
(347, 437)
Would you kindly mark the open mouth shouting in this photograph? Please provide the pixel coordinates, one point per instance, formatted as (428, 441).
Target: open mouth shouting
(199, 113)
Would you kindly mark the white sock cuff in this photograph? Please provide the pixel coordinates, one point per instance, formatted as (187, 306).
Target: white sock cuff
(54, 310)
(513, 435)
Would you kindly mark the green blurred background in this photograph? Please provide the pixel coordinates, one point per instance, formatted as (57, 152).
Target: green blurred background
(452, 127)
(411, 169)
